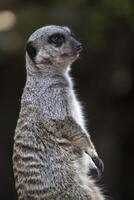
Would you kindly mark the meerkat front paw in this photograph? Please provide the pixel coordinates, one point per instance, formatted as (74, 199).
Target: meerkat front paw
(96, 166)
(92, 160)
(90, 167)
(96, 171)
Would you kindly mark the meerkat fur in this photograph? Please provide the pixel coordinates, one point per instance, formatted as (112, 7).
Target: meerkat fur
(53, 155)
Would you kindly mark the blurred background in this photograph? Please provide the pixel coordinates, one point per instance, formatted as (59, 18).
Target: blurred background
(104, 75)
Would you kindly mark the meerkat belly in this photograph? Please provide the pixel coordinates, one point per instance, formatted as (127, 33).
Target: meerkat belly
(82, 165)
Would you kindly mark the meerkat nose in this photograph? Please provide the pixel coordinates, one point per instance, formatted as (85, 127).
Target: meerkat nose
(79, 47)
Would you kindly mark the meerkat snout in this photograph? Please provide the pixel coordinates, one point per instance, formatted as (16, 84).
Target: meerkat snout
(79, 47)
(53, 46)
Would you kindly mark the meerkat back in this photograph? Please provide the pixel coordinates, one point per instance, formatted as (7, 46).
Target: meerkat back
(53, 155)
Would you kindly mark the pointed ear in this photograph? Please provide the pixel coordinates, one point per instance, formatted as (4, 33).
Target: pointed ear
(31, 50)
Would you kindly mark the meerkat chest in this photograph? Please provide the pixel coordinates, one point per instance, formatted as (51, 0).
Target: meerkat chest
(76, 109)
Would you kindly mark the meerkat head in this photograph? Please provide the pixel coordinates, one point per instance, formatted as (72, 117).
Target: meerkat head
(53, 46)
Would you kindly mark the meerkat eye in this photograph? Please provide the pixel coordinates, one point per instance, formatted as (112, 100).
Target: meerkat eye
(57, 39)
(31, 50)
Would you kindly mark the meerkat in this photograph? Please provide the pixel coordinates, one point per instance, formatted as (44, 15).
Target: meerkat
(53, 156)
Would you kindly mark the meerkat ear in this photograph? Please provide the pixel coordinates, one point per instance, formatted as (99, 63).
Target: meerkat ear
(31, 50)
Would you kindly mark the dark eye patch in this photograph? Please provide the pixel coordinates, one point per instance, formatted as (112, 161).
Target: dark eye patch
(58, 39)
(31, 50)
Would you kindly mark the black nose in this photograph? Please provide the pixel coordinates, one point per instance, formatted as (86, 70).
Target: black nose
(79, 47)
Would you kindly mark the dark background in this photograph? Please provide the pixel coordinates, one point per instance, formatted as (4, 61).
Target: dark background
(104, 75)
